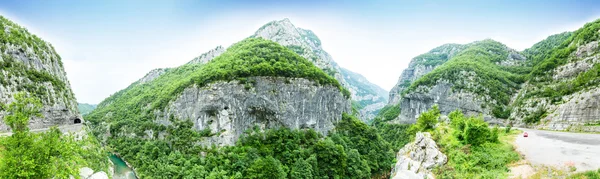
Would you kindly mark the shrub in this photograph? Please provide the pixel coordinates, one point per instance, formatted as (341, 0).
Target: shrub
(472, 130)
(426, 121)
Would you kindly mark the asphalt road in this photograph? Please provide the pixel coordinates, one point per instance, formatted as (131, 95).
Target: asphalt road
(64, 129)
(560, 149)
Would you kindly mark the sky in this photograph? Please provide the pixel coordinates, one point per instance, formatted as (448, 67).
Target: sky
(107, 45)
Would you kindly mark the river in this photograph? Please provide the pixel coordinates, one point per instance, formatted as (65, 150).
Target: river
(122, 171)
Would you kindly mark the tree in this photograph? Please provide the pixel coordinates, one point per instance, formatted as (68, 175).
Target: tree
(357, 168)
(301, 170)
(27, 155)
(267, 167)
(427, 120)
(20, 111)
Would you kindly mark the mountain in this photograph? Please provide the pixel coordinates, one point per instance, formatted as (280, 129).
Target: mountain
(562, 90)
(31, 65)
(85, 108)
(254, 82)
(552, 85)
(368, 97)
(422, 65)
(477, 78)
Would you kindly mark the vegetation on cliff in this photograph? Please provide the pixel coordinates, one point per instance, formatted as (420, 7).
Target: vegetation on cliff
(14, 38)
(130, 108)
(474, 149)
(43, 155)
(351, 150)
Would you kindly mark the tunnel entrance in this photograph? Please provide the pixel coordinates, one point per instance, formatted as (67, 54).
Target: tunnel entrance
(77, 121)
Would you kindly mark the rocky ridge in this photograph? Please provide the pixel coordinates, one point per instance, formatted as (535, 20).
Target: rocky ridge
(422, 65)
(305, 43)
(416, 159)
(272, 102)
(29, 64)
(227, 108)
(461, 82)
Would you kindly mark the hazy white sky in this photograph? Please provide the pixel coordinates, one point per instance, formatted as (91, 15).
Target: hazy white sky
(107, 45)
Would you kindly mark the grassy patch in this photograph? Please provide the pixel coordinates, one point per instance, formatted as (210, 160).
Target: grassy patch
(586, 175)
(473, 149)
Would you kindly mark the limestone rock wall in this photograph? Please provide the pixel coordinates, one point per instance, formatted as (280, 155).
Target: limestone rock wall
(33, 67)
(230, 108)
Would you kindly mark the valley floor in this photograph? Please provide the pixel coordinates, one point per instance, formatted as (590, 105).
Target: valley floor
(560, 149)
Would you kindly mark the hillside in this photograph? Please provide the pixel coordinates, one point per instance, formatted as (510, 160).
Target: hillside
(479, 77)
(30, 64)
(246, 83)
(366, 96)
(562, 89)
(259, 102)
(85, 108)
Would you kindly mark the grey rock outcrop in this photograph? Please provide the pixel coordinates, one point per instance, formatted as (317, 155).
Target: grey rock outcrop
(88, 173)
(208, 56)
(422, 65)
(305, 43)
(153, 74)
(370, 96)
(34, 67)
(418, 158)
(464, 90)
(448, 100)
(229, 108)
(202, 59)
(579, 111)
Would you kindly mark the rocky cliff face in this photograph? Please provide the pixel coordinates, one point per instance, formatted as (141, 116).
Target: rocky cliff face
(308, 45)
(422, 65)
(202, 59)
(416, 159)
(464, 77)
(208, 56)
(31, 65)
(226, 100)
(229, 108)
(448, 100)
(366, 96)
(576, 111)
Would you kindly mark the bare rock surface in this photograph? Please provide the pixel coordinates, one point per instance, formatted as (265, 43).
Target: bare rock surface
(418, 158)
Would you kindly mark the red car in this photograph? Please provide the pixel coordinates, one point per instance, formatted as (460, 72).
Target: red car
(525, 134)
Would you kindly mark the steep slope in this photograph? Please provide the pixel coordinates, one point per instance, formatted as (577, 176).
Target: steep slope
(29, 64)
(368, 98)
(562, 90)
(306, 44)
(85, 108)
(481, 78)
(421, 65)
(256, 82)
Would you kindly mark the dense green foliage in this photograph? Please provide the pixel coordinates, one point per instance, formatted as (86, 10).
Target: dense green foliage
(438, 55)
(586, 175)
(26, 79)
(20, 37)
(388, 112)
(546, 56)
(560, 55)
(493, 80)
(397, 135)
(352, 150)
(43, 155)
(248, 58)
(85, 108)
(543, 49)
(473, 149)
(426, 120)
